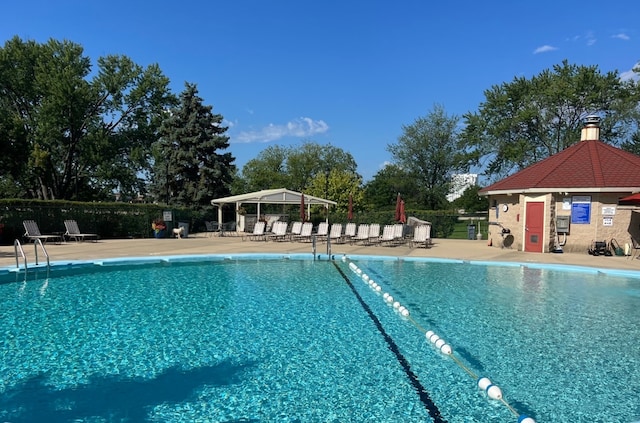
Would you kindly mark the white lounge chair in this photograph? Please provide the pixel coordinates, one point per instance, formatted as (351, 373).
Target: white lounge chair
(388, 237)
(421, 236)
(32, 232)
(305, 233)
(323, 231)
(374, 233)
(73, 232)
(335, 234)
(296, 228)
(278, 231)
(258, 232)
(362, 235)
(350, 231)
(398, 233)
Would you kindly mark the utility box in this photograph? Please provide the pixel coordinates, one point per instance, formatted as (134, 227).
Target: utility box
(562, 224)
(471, 231)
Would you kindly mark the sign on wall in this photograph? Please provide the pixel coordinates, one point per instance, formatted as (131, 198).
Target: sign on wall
(581, 209)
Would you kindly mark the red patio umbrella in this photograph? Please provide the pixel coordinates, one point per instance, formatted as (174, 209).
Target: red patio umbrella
(398, 201)
(403, 216)
(631, 200)
(303, 213)
(350, 211)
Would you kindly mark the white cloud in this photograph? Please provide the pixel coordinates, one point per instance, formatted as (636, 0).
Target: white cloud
(544, 49)
(301, 127)
(621, 36)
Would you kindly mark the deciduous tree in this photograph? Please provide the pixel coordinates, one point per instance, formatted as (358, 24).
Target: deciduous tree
(69, 136)
(429, 151)
(527, 120)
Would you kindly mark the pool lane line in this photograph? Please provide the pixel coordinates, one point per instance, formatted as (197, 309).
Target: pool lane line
(430, 406)
(484, 383)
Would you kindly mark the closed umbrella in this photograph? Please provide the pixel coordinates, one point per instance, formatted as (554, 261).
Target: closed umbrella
(350, 211)
(398, 201)
(303, 213)
(403, 216)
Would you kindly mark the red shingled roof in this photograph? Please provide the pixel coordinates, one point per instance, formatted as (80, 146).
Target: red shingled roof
(586, 164)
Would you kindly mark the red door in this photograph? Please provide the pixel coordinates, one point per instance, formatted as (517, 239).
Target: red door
(533, 227)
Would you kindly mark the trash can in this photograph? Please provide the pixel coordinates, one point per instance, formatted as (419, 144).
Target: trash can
(471, 231)
(185, 229)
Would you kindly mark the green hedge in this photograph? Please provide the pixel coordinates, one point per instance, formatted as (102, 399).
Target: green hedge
(108, 220)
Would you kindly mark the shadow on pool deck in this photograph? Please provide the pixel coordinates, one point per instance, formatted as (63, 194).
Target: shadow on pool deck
(201, 244)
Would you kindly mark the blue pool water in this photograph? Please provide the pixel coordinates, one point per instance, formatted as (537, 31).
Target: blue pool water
(296, 340)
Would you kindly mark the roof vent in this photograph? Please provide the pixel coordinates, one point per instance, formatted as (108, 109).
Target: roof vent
(592, 120)
(591, 130)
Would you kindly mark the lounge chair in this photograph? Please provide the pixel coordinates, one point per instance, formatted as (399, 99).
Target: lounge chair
(374, 233)
(305, 233)
(296, 228)
(362, 235)
(349, 232)
(258, 232)
(73, 232)
(278, 231)
(323, 231)
(398, 233)
(635, 246)
(421, 236)
(32, 232)
(388, 236)
(335, 234)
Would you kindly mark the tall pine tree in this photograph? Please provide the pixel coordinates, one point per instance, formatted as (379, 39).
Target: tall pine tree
(191, 166)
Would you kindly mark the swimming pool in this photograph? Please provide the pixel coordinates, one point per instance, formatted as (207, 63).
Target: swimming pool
(267, 338)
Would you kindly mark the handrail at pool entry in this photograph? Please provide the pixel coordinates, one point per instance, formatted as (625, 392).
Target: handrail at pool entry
(484, 383)
(18, 247)
(44, 250)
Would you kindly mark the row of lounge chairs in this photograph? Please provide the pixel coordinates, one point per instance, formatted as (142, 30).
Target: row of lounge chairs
(32, 232)
(337, 233)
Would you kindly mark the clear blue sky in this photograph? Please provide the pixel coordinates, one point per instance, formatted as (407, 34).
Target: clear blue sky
(348, 73)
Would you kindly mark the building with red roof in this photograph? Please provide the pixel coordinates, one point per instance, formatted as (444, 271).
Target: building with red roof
(569, 200)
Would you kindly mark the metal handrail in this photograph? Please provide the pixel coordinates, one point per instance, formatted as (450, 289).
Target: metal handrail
(44, 250)
(18, 247)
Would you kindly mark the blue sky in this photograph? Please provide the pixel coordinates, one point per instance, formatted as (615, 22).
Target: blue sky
(348, 73)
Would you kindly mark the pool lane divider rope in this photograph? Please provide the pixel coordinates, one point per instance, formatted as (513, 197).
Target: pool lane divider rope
(430, 406)
(484, 383)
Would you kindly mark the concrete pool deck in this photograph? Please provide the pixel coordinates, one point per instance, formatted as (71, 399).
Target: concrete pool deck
(203, 244)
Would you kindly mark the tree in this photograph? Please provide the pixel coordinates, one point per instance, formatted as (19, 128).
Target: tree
(470, 201)
(268, 170)
(190, 168)
(296, 167)
(382, 190)
(71, 137)
(429, 151)
(337, 185)
(525, 121)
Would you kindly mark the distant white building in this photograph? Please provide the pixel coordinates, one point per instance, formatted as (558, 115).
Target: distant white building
(459, 183)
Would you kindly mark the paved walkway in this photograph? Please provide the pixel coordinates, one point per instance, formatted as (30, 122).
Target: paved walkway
(203, 244)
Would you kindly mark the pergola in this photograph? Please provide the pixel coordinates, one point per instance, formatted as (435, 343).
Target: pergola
(270, 196)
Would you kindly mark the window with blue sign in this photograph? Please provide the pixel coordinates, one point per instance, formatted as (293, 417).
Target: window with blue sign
(581, 209)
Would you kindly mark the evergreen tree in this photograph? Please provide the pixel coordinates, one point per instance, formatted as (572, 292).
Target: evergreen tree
(190, 165)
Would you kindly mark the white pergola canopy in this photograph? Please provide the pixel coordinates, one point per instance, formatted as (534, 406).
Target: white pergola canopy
(270, 196)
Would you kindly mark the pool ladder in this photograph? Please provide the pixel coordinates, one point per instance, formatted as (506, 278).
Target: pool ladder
(18, 249)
